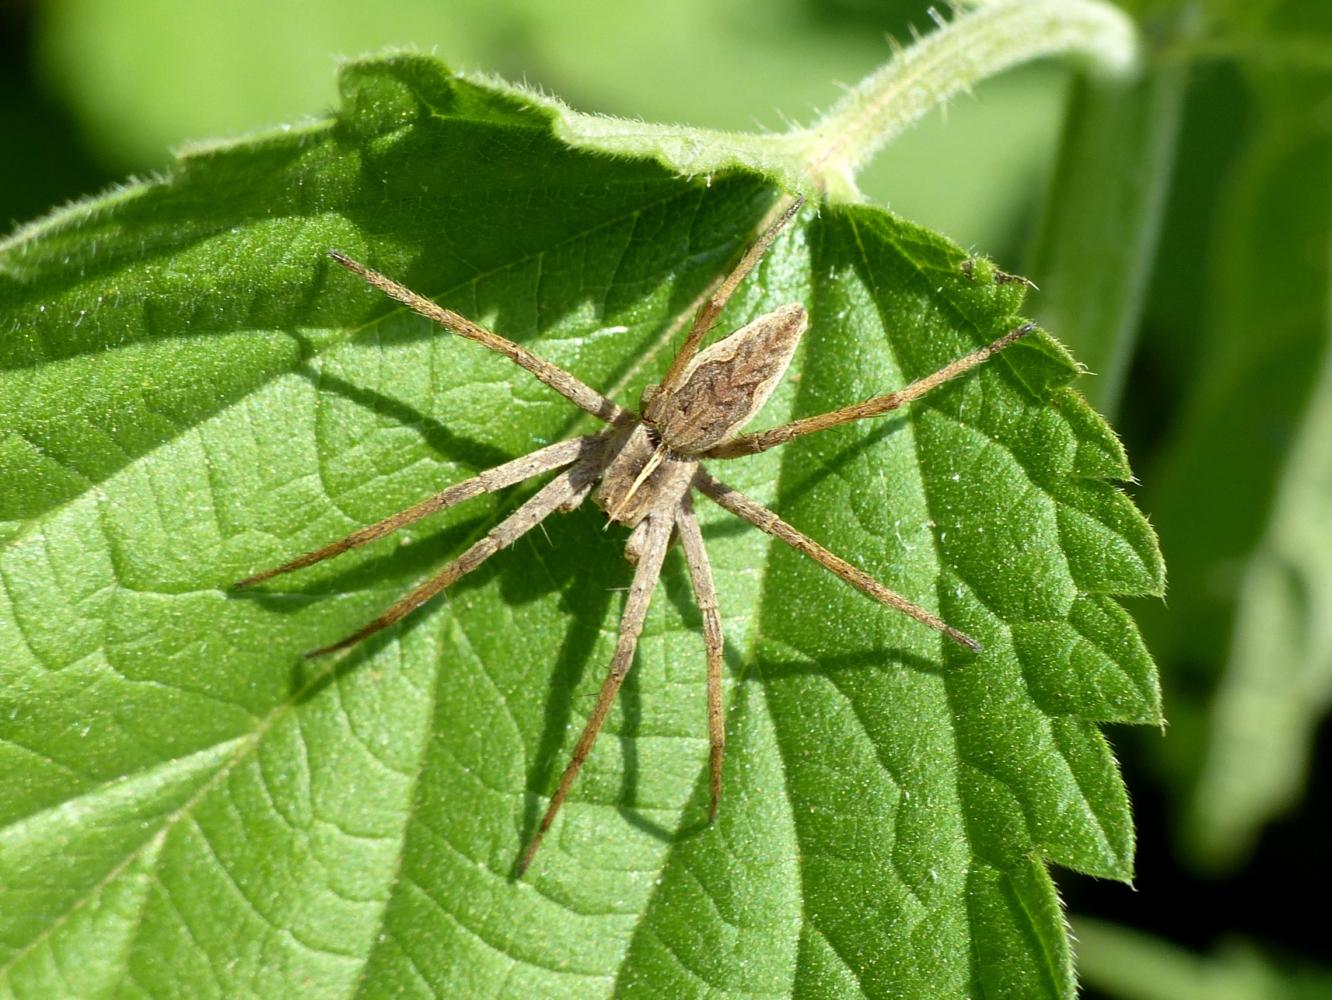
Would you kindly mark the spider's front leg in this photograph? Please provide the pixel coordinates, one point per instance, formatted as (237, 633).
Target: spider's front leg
(577, 392)
(568, 488)
(645, 492)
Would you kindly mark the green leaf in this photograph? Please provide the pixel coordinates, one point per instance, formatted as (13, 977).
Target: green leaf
(188, 806)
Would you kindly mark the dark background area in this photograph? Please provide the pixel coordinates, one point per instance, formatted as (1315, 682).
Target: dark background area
(47, 163)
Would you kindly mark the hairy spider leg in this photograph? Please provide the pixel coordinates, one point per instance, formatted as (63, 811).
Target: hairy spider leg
(571, 388)
(555, 456)
(569, 488)
(705, 596)
(749, 444)
(717, 302)
(656, 541)
(767, 521)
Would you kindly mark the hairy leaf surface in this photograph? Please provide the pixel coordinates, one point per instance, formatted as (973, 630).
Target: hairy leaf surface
(194, 392)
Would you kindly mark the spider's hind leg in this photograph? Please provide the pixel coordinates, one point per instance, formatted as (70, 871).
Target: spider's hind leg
(705, 594)
(578, 393)
(717, 302)
(657, 539)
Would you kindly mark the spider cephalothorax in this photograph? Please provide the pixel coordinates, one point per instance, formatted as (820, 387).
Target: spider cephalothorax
(642, 470)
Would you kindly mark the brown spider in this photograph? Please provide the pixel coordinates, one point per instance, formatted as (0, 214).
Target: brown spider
(642, 471)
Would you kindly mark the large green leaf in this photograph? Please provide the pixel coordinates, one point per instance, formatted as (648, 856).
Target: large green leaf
(193, 392)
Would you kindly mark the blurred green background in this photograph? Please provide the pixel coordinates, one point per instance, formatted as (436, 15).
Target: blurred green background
(1226, 403)
(97, 90)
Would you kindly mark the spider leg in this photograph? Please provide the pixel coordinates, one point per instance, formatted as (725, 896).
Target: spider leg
(532, 464)
(631, 624)
(705, 594)
(748, 444)
(767, 521)
(572, 484)
(577, 392)
(713, 307)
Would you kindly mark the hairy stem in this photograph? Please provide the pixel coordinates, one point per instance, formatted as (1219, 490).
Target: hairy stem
(979, 42)
(986, 37)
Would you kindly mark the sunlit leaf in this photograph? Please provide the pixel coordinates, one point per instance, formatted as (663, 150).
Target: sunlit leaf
(195, 392)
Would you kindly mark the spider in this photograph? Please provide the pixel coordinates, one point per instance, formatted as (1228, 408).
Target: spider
(642, 470)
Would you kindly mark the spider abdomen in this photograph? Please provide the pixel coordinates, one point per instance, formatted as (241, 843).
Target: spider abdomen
(726, 384)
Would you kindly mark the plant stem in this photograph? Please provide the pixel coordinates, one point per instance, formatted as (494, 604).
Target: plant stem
(986, 37)
(978, 43)
(1096, 246)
